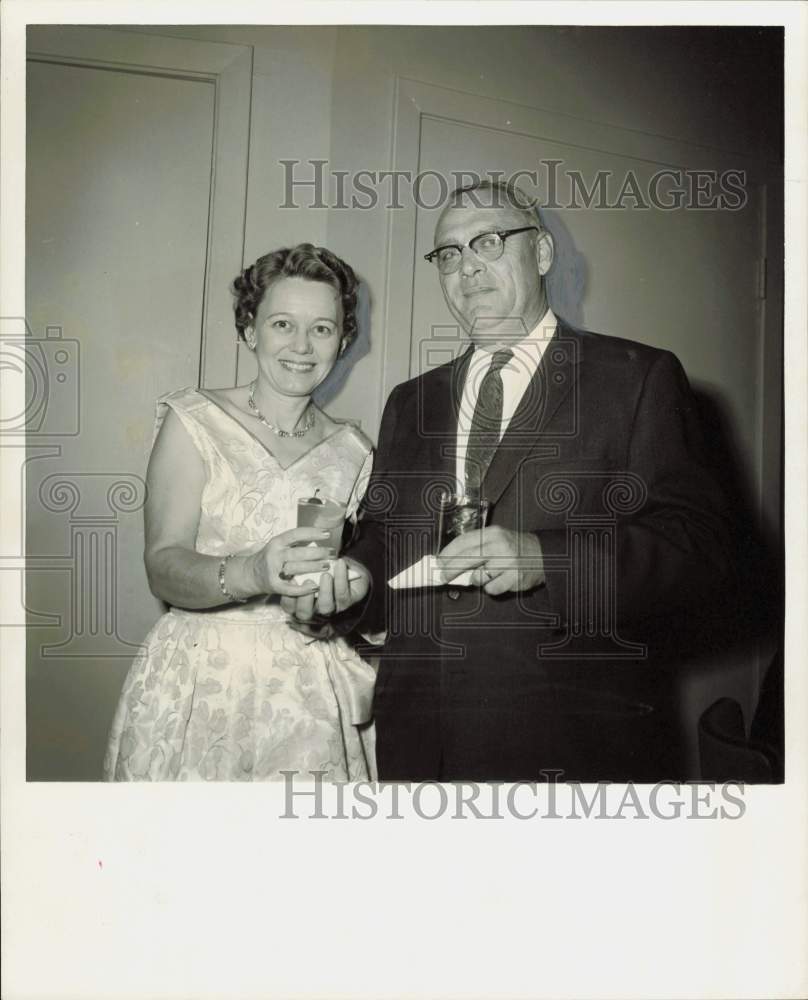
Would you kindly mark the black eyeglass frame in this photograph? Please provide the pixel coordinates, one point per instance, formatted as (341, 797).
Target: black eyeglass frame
(503, 234)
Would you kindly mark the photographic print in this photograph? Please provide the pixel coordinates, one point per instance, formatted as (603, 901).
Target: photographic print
(399, 426)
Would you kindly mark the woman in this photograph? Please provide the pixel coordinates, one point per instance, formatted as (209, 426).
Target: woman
(223, 687)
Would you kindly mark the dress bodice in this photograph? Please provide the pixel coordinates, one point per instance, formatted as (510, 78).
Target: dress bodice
(248, 496)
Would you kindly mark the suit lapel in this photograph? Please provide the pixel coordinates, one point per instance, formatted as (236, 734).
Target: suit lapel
(554, 380)
(458, 379)
(439, 405)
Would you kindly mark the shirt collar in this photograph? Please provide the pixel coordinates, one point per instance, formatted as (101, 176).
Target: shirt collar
(537, 339)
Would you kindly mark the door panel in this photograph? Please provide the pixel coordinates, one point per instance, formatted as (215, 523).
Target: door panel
(119, 193)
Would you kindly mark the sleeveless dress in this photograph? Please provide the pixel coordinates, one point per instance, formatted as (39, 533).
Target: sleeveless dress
(234, 693)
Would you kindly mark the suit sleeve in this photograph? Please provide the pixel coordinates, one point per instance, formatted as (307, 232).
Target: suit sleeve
(369, 544)
(673, 553)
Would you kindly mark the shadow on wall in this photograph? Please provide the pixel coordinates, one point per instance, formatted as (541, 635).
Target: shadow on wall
(567, 278)
(758, 556)
(756, 600)
(329, 389)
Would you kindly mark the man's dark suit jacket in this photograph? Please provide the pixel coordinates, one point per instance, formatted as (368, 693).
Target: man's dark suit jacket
(603, 460)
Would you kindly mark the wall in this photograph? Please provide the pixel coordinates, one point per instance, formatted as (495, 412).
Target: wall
(327, 93)
(666, 82)
(291, 117)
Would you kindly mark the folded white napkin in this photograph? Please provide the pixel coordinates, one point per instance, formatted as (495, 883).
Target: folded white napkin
(427, 573)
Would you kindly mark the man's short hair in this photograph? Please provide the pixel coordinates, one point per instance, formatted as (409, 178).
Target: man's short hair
(487, 193)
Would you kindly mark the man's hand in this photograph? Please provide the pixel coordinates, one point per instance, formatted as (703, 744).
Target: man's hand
(502, 560)
(310, 613)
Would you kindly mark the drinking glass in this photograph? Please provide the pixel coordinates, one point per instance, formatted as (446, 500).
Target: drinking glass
(458, 514)
(322, 512)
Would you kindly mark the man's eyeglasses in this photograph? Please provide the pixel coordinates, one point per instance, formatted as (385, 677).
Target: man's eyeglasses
(487, 246)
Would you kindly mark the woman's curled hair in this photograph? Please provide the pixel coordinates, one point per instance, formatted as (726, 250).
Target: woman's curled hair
(303, 261)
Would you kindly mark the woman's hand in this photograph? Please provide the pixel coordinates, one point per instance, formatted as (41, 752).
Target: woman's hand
(346, 585)
(271, 570)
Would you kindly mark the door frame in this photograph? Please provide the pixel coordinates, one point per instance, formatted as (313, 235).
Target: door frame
(228, 68)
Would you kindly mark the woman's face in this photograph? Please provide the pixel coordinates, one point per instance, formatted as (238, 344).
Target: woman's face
(297, 334)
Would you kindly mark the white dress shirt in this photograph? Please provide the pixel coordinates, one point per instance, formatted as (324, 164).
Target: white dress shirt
(516, 377)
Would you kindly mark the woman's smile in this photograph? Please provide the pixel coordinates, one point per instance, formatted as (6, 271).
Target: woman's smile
(301, 367)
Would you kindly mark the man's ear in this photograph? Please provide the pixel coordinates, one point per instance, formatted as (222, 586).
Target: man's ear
(545, 252)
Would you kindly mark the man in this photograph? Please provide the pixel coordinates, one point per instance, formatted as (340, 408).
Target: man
(603, 528)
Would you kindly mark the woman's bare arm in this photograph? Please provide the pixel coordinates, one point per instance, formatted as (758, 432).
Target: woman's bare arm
(178, 574)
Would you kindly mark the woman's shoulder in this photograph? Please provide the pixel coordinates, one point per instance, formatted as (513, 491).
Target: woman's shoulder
(233, 396)
(186, 398)
(350, 430)
(190, 398)
(193, 407)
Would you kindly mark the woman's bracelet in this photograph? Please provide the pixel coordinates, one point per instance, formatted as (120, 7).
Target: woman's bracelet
(223, 585)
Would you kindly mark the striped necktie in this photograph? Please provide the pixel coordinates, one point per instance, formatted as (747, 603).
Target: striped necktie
(486, 422)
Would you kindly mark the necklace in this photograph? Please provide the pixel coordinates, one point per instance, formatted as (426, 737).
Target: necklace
(278, 430)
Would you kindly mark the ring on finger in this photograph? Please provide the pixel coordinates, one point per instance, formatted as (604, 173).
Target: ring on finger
(283, 574)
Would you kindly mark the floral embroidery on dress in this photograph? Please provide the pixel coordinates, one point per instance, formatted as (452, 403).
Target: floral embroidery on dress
(234, 693)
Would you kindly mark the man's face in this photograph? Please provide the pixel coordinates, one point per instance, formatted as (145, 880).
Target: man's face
(503, 298)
